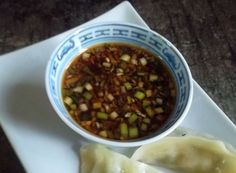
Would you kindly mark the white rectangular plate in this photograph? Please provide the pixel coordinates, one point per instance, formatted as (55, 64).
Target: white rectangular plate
(41, 140)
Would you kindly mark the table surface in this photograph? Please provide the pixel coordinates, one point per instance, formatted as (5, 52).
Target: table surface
(204, 31)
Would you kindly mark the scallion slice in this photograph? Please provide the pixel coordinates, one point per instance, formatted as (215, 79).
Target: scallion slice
(147, 120)
(97, 105)
(128, 85)
(139, 95)
(143, 61)
(83, 107)
(78, 89)
(133, 132)
(125, 57)
(159, 110)
(102, 115)
(146, 103)
(87, 95)
(88, 86)
(68, 100)
(113, 115)
(153, 77)
(132, 118)
(124, 129)
(103, 133)
(143, 127)
(149, 111)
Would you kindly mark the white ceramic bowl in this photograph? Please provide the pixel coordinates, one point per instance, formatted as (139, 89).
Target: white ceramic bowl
(88, 36)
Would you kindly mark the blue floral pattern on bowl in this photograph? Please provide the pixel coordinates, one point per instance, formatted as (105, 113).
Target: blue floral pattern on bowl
(114, 32)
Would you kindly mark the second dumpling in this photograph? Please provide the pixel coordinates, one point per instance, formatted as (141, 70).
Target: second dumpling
(190, 154)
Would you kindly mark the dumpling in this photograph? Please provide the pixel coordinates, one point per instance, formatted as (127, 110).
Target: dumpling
(190, 154)
(96, 158)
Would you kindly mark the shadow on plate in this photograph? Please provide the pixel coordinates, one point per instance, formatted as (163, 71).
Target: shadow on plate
(30, 108)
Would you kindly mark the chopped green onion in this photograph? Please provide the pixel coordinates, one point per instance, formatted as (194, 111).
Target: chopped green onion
(148, 93)
(83, 107)
(153, 77)
(132, 118)
(149, 111)
(85, 56)
(68, 100)
(146, 103)
(127, 115)
(125, 57)
(102, 115)
(87, 95)
(110, 97)
(119, 71)
(78, 89)
(88, 86)
(107, 107)
(141, 74)
(124, 129)
(140, 84)
(103, 133)
(123, 90)
(134, 61)
(133, 132)
(147, 120)
(73, 106)
(143, 61)
(106, 64)
(139, 95)
(129, 99)
(114, 115)
(159, 110)
(143, 127)
(159, 101)
(97, 105)
(128, 86)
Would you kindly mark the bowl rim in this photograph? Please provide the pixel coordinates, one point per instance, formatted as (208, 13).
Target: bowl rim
(117, 143)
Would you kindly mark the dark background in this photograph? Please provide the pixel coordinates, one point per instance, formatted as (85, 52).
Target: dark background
(203, 30)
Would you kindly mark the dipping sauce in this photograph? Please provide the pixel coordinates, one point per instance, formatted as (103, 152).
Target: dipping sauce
(118, 91)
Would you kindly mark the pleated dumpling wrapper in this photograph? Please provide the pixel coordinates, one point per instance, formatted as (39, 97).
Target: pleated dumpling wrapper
(96, 158)
(190, 154)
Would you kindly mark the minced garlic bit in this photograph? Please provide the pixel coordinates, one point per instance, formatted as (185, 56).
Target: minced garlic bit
(78, 89)
(68, 100)
(110, 97)
(114, 115)
(85, 56)
(125, 57)
(88, 86)
(83, 107)
(143, 61)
